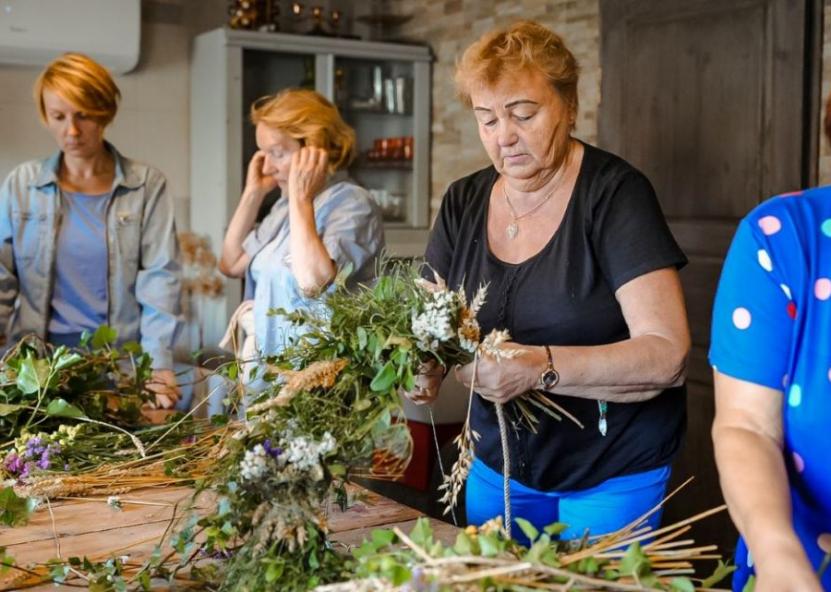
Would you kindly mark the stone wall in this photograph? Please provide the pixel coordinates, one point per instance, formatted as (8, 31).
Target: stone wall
(824, 147)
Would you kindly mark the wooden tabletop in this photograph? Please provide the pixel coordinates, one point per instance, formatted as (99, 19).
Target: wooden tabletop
(92, 528)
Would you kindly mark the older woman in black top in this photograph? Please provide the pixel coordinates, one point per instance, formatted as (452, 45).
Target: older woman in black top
(582, 271)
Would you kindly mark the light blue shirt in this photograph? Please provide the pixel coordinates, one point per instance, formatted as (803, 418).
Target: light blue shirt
(351, 228)
(79, 298)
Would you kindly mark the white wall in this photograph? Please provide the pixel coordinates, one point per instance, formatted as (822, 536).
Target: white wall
(152, 124)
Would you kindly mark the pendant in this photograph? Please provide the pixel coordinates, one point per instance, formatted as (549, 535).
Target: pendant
(512, 230)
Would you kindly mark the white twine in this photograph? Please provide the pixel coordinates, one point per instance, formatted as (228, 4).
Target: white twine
(506, 466)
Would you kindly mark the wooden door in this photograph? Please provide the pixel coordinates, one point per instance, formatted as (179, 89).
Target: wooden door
(714, 101)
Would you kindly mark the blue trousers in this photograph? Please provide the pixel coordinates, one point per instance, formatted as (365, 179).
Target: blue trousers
(601, 509)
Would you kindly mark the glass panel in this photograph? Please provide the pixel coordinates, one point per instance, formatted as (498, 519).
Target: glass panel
(265, 73)
(376, 98)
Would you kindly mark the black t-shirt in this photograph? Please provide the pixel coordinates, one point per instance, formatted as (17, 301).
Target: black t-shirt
(612, 232)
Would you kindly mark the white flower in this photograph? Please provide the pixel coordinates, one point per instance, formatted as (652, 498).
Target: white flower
(305, 454)
(114, 502)
(255, 463)
(434, 323)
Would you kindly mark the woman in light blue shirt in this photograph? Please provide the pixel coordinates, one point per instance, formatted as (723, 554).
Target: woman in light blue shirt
(322, 224)
(87, 236)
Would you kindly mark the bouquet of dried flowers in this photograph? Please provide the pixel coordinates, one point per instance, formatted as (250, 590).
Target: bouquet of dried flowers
(487, 558)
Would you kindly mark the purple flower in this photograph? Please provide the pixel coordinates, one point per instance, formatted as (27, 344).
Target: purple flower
(27, 470)
(13, 463)
(43, 463)
(34, 447)
(273, 452)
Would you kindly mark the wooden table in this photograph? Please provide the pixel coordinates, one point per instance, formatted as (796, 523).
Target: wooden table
(91, 528)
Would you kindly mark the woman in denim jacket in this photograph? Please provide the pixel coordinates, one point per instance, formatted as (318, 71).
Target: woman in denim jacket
(87, 236)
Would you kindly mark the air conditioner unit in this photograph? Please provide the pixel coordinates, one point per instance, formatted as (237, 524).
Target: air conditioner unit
(34, 32)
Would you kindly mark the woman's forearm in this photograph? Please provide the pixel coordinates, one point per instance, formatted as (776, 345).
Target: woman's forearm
(628, 371)
(754, 482)
(241, 224)
(311, 263)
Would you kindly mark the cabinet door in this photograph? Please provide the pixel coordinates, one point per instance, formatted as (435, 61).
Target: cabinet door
(265, 73)
(375, 97)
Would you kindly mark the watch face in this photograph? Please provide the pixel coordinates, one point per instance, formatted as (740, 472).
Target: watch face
(549, 378)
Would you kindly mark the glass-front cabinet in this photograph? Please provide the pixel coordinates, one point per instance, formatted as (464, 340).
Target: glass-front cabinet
(381, 89)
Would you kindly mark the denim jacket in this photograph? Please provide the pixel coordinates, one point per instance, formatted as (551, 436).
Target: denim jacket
(144, 273)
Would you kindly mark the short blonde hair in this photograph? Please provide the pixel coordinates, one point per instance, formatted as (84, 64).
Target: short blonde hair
(525, 46)
(308, 117)
(83, 82)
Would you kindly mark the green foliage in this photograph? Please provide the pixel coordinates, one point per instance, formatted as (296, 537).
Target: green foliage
(721, 572)
(45, 386)
(6, 561)
(14, 510)
(383, 556)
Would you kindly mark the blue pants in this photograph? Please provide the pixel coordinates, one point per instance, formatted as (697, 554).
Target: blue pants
(601, 509)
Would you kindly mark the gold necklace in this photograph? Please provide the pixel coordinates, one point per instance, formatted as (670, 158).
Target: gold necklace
(512, 230)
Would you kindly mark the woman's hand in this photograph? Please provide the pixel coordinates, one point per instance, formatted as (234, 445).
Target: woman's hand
(256, 183)
(307, 176)
(427, 383)
(163, 384)
(502, 380)
(787, 572)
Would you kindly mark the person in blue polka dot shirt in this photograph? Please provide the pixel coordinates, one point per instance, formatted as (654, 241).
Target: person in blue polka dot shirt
(771, 357)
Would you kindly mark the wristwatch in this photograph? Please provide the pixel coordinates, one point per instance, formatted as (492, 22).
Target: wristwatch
(549, 377)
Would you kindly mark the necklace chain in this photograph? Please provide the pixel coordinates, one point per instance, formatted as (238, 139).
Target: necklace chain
(529, 212)
(513, 228)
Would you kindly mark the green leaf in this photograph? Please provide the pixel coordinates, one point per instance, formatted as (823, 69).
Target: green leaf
(490, 545)
(384, 379)
(635, 562)
(527, 529)
(6, 560)
(219, 420)
(6, 409)
(132, 347)
(104, 336)
(682, 585)
(382, 538)
(422, 534)
(60, 408)
(67, 360)
(464, 545)
(32, 375)
(400, 575)
(722, 571)
(750, 585)
(274, 571)
(362, 338)
(556, 528)
(409, 380)
(14, 510)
